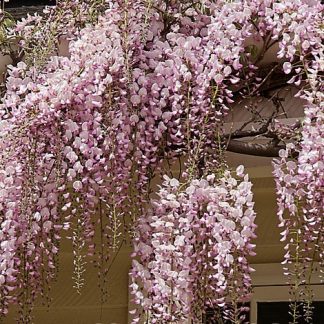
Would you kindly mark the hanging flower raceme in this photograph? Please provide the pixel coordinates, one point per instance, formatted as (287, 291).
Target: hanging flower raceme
(186, 70)
(300, 195)
(62, 130)
(300, 181)
(192, 247)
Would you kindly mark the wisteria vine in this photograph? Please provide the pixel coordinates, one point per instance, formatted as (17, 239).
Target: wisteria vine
(146, 83)
(192, 248)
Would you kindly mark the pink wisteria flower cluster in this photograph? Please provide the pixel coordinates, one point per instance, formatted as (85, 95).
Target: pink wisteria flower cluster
(145, 83)
(57, 155)
(300, 186)
(191, 249)
(300, 183)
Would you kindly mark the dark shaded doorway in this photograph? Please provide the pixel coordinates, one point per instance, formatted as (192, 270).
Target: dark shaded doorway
(278, 313)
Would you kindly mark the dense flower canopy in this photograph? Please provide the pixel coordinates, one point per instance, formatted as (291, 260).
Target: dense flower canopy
(146, 83)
